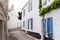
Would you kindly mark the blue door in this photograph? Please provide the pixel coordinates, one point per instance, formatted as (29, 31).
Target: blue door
(50, 27)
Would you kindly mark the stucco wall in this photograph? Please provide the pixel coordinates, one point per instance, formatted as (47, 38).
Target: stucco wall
(13, 21)
(32, 14)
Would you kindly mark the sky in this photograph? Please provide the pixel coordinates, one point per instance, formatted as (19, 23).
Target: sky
(18, 4)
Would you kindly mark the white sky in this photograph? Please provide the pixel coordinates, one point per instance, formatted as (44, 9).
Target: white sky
(18, 4)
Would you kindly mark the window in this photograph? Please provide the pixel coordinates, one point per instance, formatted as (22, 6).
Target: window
(30, 7)
(30, 23)
(23, 13)
(44, 2)
(48, 27)
(23, 23)
(48, 0)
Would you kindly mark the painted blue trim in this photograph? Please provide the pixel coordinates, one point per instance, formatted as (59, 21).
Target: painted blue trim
(50, 27)
(44, 26)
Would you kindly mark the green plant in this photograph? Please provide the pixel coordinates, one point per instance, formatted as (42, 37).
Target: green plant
(54, 5)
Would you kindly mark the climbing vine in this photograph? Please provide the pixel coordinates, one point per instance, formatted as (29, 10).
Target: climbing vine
(54, 5)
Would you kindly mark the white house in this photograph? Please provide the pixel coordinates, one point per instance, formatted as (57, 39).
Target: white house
(46, 25)
(13, 21)
(31, 21)
(51, 21)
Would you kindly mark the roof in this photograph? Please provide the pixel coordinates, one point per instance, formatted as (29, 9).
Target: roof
(25, 4)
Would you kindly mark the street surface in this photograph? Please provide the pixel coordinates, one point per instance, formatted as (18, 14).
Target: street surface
(19, 35)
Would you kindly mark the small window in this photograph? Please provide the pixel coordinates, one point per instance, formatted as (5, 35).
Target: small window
(30, 23)
(23, 13)
(24, 24)
(48, 0)
(44, 3)
(30, 7)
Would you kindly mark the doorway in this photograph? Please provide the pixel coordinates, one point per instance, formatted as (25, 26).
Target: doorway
(1, 26)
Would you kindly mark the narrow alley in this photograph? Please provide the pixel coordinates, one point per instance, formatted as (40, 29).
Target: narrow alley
(19, 35)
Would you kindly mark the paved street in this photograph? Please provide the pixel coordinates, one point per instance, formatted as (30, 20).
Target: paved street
(19, 35)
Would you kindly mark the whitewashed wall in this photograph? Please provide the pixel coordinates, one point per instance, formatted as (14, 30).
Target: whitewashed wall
(13, 21)
(33, 14)
(37, 24)
(56, 22)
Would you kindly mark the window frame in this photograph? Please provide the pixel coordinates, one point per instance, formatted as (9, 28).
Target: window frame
(44, 2)
(24, 13)
(30, 6)
(30, 23)
(23, 24)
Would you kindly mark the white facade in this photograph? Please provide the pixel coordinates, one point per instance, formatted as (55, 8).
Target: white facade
(13, 21)
(55, 14)
(37, 20)
(34, 14)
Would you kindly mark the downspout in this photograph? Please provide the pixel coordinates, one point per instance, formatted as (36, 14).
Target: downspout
(43, 25)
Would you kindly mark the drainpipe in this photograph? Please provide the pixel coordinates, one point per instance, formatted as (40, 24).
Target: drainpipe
(43, 17)
(43, 25)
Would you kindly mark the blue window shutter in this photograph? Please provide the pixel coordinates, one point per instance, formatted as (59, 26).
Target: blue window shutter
(31, 23)
(44, 26)
(50, 27)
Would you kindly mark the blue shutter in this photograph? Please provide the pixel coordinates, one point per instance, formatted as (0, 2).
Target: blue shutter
(50, 27)
(44, 26)
(31, 23)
